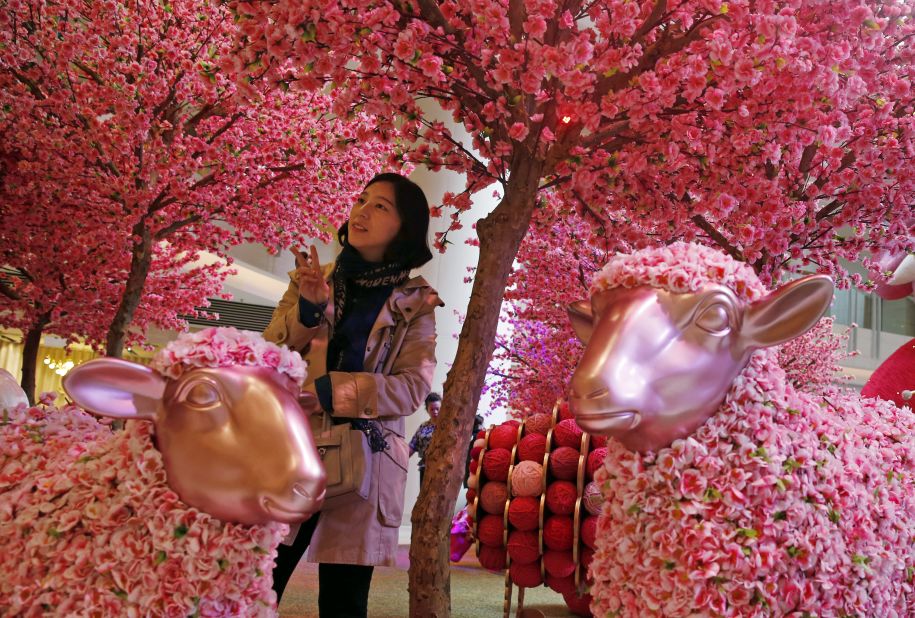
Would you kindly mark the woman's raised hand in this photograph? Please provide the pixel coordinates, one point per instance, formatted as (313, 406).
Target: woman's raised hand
(312, 286)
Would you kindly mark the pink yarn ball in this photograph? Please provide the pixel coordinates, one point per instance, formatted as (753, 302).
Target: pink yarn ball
(532, 448)
(592, 498)
(524, 513)
(493, 497)
(495, 464)
(538, 423)
(589, 531)
(490, 530)
(503, 436)
(567, 433)
(558, 532)
(527, 479)
(526, 575)
(560, 497)
(492, 558)
(558, 563)
(563, 463)
(562, 585)
(523, 546)
(596, 460)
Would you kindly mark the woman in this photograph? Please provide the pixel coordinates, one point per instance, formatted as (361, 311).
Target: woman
(423, 435)
(367, 331)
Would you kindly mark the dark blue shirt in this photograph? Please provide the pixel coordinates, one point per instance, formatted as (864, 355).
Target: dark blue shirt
(346, 348)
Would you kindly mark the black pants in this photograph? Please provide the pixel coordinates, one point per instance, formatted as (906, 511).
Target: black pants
(343, 589)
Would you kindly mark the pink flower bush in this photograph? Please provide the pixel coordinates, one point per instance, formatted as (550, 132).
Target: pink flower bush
(224, 347)
(786, 502)
(90, 525)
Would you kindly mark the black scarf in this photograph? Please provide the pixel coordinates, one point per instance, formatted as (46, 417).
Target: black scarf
(351, 269)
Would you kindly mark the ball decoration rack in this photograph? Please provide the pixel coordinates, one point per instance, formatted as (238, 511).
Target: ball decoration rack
(566, 569)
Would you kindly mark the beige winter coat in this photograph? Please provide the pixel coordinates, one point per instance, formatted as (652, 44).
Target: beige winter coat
(399, 365)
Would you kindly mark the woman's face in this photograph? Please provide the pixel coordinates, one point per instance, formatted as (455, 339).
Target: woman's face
(432, 408)
(373, 221)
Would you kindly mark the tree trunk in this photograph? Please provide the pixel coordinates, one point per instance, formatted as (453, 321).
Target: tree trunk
(31, 342)
(141, 259)
(500, 236)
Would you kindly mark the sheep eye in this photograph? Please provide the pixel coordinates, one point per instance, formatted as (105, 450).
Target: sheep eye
(714, 319)
(202, 394)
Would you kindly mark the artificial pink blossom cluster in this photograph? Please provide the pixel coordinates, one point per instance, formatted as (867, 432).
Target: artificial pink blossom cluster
(786, 502)
(680, 268)
(124, 157)
(226, 347)
(90, 527)
(813, 360)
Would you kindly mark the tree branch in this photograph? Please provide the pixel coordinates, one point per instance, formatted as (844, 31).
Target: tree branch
(718, 237)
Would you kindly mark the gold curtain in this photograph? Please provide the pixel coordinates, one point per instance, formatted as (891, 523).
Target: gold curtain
(46, 377)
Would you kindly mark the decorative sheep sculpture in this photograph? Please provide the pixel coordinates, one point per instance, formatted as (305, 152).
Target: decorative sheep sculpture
(765, 499)
(91, 519)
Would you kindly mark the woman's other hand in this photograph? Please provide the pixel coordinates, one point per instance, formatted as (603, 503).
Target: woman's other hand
(312, 286)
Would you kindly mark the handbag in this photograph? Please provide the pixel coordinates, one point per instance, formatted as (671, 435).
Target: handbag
(347, 460)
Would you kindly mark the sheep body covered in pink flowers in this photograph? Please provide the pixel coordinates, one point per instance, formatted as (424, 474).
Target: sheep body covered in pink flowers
(785, 502)
(91, 525)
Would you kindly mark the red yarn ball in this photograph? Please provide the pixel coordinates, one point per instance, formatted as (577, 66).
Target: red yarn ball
(470, 495)
(560, 497)
(532, 448)
(492, 558)
(585, 556)
(481, 434)
(475, 454)
(514, 422)
(578, 605)
(474, 463)
(538, 423)
(524, 513)
(495, 464)
(558, 532)
(562, 585)
(596, 460)
(567, 433)
(597, 441)
(564, 412)
(523, 546)
(893, 376)
(563, 463)
(526, 575)
(504, 436)
(589, 531)
(490, 530)
(493, 497)
(558, 563)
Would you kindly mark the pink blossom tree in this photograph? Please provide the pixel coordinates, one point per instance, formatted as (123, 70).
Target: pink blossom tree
(777, 131)
(122, 135)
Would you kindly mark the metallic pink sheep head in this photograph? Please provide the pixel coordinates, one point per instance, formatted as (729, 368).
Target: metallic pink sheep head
(235, 441)
(657, 363)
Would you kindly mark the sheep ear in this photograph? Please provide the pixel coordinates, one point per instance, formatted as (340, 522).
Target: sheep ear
(787, 312)
(582, 319)
(116, 388)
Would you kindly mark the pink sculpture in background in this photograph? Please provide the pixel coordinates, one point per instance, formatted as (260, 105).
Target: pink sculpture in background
(731, 491)
(11, 394)
(145, 521)
(657, 364)
(901, 282)
(234, 440)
